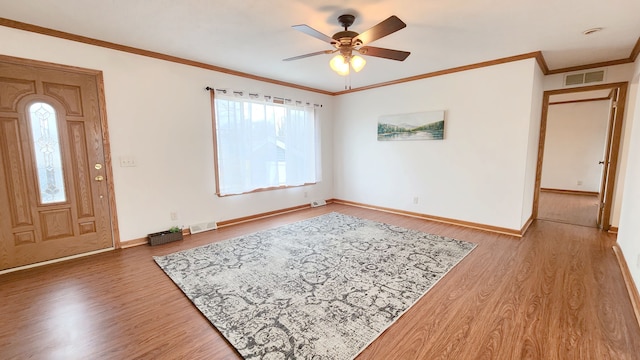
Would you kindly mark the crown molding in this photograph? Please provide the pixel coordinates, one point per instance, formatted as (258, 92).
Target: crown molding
(590, 66)
(152, 54)
(636, 50)
(535, 55)
(538, 55)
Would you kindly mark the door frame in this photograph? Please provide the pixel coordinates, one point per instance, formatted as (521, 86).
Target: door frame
(104, 128)
(614, 137)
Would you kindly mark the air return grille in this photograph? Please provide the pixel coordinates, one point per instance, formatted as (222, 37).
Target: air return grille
(584, 78)
(317, 203)
(197, 228)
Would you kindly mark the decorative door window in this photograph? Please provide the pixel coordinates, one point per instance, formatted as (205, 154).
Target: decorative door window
(46, 146)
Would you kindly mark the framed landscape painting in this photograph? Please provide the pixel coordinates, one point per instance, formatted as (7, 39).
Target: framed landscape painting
(428, 125)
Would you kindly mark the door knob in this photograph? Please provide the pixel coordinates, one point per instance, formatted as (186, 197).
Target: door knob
(98, 166)
(99, 178)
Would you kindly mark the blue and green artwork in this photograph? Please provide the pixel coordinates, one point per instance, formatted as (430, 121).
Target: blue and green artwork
(414, 126)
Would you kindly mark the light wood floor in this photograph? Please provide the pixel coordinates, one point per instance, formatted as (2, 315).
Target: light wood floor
(567, 208)
(557, 293)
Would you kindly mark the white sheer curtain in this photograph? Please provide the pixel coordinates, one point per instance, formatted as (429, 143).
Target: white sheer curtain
(263, 145)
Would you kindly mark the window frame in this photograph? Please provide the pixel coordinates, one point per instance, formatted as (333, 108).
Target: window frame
(218, 192)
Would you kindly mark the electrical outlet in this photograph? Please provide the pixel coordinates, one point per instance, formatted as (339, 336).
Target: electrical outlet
(579, 182)
(305, 194)
(174, 215)
(415, 199)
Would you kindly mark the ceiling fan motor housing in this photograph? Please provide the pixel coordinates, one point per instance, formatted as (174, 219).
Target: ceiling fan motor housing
(345, 35)
(344, 39)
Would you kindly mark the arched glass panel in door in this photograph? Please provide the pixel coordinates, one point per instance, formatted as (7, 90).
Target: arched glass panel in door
(46, 147)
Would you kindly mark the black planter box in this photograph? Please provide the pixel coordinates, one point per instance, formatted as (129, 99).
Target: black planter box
(164, 237)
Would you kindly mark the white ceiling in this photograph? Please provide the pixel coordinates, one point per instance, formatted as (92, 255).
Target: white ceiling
(253, 36)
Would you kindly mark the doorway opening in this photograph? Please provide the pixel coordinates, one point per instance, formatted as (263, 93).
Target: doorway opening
(580, 133)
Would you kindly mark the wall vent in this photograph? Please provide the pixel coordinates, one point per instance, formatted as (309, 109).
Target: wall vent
(317, 203)
(594, 76)
(584, 78)
(198, 228)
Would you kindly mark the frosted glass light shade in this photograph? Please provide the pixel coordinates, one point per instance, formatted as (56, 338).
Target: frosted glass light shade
(357, 63)
(339, 65)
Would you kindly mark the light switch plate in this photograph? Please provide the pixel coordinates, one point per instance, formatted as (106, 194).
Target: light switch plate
(127, 161)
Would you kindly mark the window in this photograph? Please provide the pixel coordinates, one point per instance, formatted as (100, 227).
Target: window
(263, 145)
(46, 146)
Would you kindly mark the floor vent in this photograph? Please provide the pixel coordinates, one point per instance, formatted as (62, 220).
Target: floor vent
(317, 203)
(198, 228)
(584, 78)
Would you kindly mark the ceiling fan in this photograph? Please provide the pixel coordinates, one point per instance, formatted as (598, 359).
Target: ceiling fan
(349, 42)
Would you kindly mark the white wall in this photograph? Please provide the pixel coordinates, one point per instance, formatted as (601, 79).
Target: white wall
(532, 145)
(629, 233)
(478, 173)
(574, 143)
(159, 113)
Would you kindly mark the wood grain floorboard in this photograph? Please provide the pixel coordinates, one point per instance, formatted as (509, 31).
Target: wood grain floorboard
(576, 209)
(557, 293)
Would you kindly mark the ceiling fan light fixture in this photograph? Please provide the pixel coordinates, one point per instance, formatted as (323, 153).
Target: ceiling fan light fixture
(347, 42)
(339, 64)
(357, 63)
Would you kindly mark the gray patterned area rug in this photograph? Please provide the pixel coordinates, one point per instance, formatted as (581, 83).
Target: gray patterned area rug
(322, 288)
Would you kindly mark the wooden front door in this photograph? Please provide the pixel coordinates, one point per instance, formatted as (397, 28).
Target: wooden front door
(53, 194)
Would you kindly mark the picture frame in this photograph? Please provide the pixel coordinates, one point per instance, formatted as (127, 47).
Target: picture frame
(426, 125)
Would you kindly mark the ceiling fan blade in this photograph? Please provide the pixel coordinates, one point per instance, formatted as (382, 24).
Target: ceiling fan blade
(386, 27)
(384, 53)
(313, 32)
(308, 55)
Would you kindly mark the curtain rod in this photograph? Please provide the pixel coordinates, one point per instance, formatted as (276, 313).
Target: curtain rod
(267, 98)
